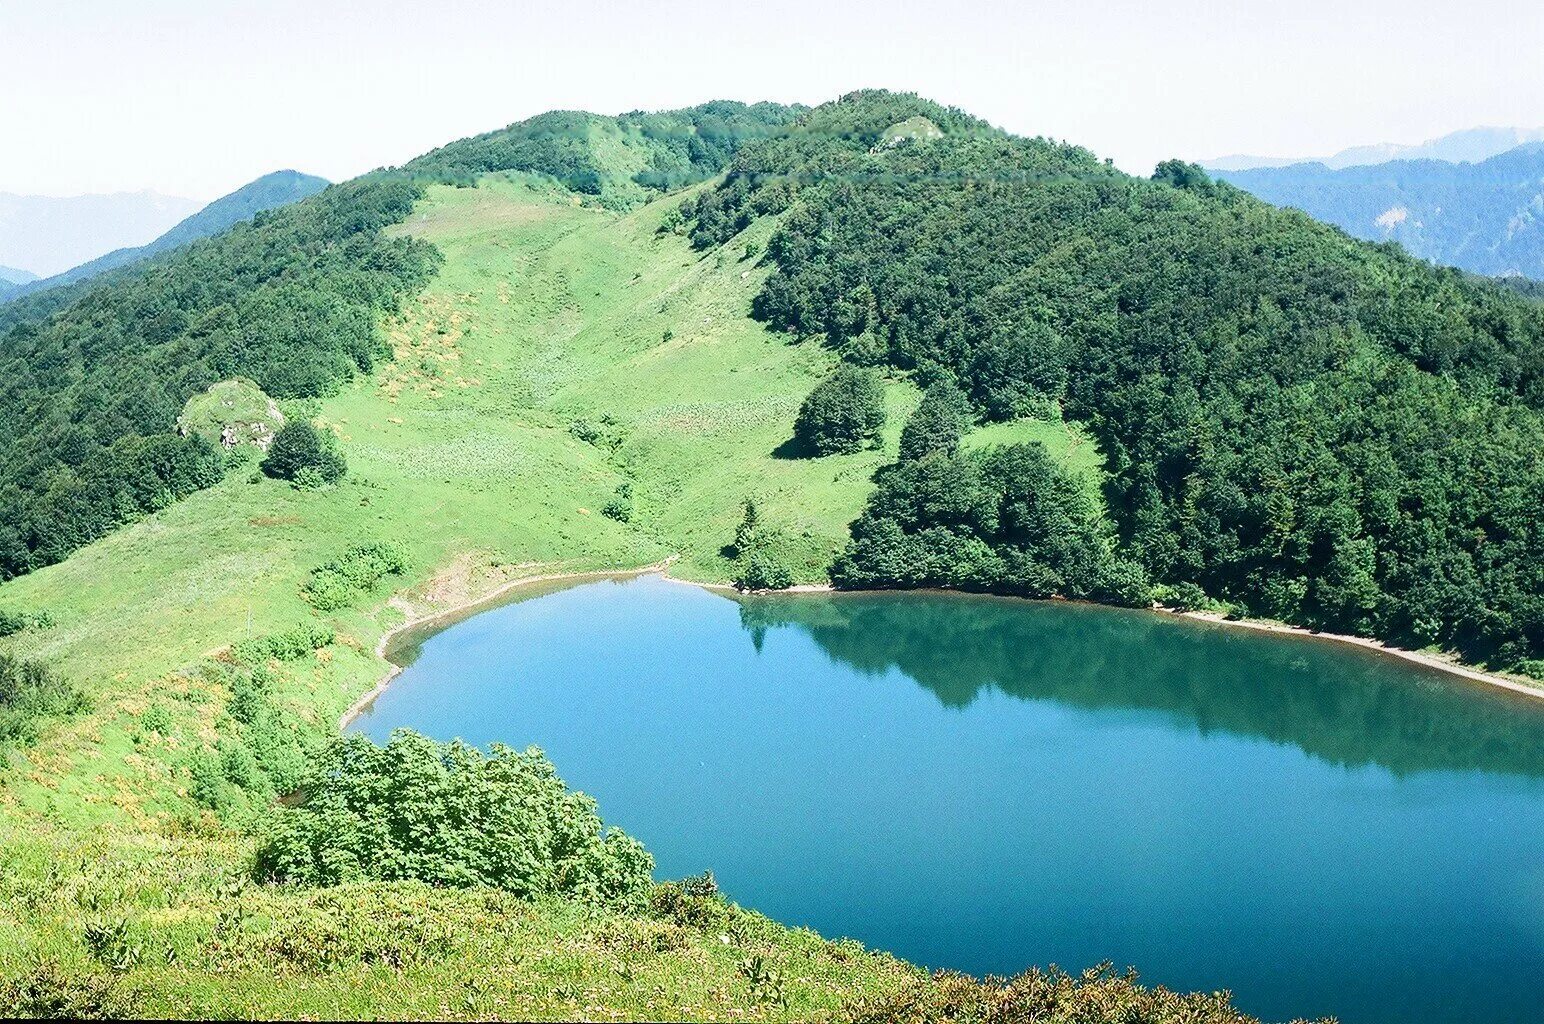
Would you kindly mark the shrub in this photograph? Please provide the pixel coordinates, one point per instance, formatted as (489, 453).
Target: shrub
(448, 814)
(293, 643)
(750, 524)
(761, 570)
(29, 693)
(938, 423)
(1007, 519)
(156, 719)
(304, 455)
(842, 414)
(46, 990)
(12, 622)
(620, 505)
(342, 581)
(1099, 994)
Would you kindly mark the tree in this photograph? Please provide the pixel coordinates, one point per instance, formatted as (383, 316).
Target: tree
(938, 423)
(843, 413)
(302, 454)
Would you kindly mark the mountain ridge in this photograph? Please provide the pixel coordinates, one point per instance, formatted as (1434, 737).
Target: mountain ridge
(1485, 217)
(1466, 145)
(277, 188)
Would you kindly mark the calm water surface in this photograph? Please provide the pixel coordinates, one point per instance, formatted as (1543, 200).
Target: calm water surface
(987, 784)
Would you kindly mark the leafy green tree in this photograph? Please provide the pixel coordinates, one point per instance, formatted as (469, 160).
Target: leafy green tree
(842, 414)
(300, 451)
(938, 423)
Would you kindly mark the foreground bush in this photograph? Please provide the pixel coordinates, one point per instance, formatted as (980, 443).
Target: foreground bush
(842, 414)
(448, 814)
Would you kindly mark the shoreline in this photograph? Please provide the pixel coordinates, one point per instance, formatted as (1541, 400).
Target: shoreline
(359, 706)
(1431, 661)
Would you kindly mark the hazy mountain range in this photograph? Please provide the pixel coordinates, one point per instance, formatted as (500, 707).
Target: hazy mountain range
(1486, 217)
(1468, 144)
(47, 235)
(279, 188)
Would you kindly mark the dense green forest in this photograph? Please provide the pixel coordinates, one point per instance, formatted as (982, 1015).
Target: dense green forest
(93, 375)
(1481, 216)
(90, 394)
(1320, 430)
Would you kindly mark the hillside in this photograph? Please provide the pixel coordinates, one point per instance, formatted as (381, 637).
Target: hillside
(1483, 217)
(50, 234)
(12, 281)
(578, 344)
(279, 188)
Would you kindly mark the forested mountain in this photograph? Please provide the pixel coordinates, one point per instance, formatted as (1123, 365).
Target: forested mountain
(279, 188)
(1467, 144)
(93, 376)
(1324, 431)
(12, 281)
(50, 234)
(1485, 217)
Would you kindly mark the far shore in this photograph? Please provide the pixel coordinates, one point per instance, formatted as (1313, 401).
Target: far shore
(1433, 661)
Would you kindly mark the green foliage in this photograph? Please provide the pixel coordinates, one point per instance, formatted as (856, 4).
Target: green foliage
(1313, 429)
(353, 574)
(1099, 994)
(50, 990)
(13, 621)
(746, 533)
(620, 505)
(97, 374)
(156, 719)
(449, 814)
(304, 455)
(604, 431)
(112, 944)
(842, 414)
(1005, 519)
(760, 569)
(30, 693)
(288, 645)
(938, 423)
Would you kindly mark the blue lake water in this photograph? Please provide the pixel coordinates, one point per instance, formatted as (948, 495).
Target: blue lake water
(988, 784)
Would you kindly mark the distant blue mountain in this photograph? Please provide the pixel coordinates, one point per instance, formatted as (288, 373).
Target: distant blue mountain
(1469, 145)
(266, 193)
(1485, 217)
(12, 279)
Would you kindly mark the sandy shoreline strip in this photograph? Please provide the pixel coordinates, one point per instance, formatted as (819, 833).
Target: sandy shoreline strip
(1431, 661)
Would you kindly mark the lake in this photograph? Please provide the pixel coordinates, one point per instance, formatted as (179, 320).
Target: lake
(987, 784)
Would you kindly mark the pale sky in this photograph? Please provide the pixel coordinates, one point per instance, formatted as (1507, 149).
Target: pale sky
(196, 97)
